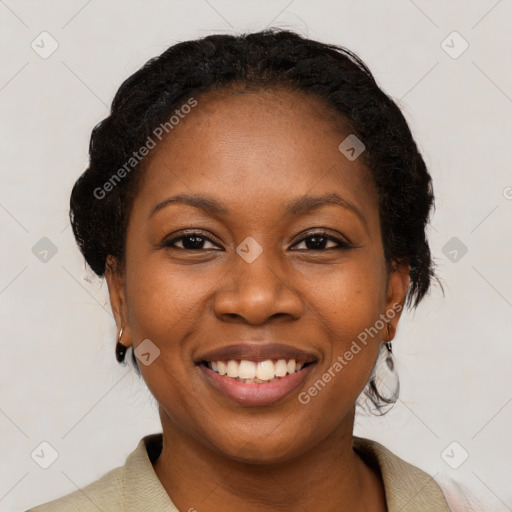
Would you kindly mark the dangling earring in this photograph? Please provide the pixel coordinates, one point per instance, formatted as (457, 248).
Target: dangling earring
(389, 357)
(120, 348)
(388, 382)
(383, 387)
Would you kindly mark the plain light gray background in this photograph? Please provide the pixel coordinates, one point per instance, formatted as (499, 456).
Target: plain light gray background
(60, 381)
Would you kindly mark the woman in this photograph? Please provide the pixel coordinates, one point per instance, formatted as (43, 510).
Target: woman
(258, 207)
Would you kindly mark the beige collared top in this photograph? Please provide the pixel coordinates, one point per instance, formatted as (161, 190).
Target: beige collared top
(135, 486)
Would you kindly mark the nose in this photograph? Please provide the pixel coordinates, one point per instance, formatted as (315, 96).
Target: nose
(255, 292)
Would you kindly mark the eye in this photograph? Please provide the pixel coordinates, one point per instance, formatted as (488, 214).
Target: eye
(318, 241)
(191, 241)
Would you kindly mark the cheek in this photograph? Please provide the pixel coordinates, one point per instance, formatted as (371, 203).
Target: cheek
(166, 306)
(162, 301)
(348, 303)
(349, 298)
(163, 307)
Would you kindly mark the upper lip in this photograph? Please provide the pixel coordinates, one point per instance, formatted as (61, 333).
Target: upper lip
(257, 351)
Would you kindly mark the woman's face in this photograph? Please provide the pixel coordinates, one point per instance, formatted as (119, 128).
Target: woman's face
(251, 273)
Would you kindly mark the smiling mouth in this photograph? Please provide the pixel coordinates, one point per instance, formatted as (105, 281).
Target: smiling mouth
(256, 372)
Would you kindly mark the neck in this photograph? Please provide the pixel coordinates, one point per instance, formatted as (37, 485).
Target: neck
(329, 477)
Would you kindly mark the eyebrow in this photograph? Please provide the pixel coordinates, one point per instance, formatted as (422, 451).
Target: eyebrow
(294, 207)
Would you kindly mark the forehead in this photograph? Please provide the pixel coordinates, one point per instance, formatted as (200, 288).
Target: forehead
(256, 146)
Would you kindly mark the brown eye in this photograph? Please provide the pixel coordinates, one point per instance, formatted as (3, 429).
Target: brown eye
(318, 242)
(190, 242)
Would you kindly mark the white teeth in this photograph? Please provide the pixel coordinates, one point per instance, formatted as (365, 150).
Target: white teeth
(247, 370)
(281, 368)
(221, 365)
(260, 371)
(232, 369)
(265, 370)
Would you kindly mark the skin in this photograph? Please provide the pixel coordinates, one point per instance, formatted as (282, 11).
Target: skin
(253, 151)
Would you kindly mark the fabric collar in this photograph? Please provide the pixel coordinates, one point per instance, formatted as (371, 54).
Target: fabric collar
(407, 487)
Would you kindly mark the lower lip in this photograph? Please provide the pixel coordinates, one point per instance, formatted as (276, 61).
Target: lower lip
(253, 393)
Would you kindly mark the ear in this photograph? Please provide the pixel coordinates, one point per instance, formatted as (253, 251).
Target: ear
(398, 283)
(116, 289)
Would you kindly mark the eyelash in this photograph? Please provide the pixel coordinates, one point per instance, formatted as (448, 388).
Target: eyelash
(342, 244)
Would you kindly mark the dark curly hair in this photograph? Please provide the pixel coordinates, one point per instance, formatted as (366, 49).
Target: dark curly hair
(267, 59)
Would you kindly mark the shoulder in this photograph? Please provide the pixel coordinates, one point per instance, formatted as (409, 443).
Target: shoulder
(129, 488)
(407, 487)
(410, 488)
(107, 493)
